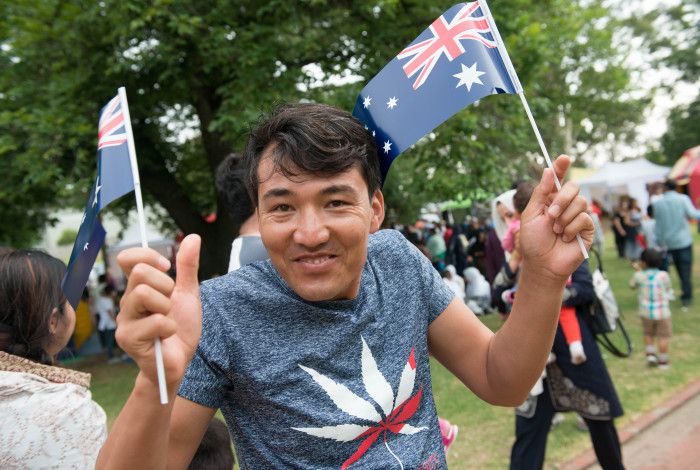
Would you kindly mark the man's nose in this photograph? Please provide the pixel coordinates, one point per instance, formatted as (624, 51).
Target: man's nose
(311, 230)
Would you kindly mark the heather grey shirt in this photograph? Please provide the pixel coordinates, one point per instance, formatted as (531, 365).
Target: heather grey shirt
(324, 384)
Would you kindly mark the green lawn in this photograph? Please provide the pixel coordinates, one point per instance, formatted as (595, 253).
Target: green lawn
(486, 432)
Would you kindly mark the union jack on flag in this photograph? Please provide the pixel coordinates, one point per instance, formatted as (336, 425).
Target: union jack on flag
(453, 63)
(111, 128)
(446, 39)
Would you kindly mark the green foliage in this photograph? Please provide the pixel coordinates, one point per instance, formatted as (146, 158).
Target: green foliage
(67, 237)
(683, 133)
(197, 74)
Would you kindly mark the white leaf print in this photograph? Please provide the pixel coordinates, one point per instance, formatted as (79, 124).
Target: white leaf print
(342, 432)
(343, 398)
(408, 378)
(408, 429)
(376, 385)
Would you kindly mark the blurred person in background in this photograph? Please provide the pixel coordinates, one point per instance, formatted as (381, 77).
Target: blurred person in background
(671, 212)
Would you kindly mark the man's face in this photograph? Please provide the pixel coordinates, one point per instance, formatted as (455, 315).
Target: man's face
(315, 229)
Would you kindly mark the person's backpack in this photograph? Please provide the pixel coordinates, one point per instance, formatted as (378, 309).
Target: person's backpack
(604, 319)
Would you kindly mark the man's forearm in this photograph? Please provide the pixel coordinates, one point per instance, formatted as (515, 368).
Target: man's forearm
(520, 348)
(139, 437)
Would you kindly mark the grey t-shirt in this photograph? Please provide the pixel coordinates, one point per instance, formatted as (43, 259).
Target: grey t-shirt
(324, 384)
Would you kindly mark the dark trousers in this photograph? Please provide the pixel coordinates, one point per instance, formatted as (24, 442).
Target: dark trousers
(620, 244)
(683, 259)
(107, 337)
(531, 439)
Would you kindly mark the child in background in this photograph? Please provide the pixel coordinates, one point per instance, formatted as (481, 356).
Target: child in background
(214, 452)
(567, 315)
(655, 292)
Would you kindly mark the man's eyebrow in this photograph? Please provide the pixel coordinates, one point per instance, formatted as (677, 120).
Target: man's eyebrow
(339, 188)
(276, 192)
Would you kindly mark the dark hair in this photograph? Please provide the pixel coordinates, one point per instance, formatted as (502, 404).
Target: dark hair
(214, 452)
(522, 195)
(652, 258)
(670, 185)
(230, 183)
(650, 211)
(312, 138)
(30, 289)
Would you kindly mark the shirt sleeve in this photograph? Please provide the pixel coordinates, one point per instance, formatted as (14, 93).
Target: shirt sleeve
(690, 210)
(437, 294)
(205, 381)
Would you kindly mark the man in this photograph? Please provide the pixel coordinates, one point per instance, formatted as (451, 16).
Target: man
(318, 358)
(671, 212)
(247, 247)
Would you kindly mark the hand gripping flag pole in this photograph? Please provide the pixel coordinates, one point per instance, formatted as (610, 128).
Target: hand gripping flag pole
(519, 89)
(160, 369)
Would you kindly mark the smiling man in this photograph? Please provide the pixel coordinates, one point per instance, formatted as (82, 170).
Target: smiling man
(318, 357)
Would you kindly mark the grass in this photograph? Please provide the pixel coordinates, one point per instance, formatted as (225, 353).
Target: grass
(486, 432)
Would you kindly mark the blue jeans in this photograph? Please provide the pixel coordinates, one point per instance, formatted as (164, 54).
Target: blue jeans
(683, 259)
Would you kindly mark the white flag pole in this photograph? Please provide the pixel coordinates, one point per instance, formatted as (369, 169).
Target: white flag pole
(519, 90)
(160, 369)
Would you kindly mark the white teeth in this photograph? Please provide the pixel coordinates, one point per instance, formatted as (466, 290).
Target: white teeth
(316, 260)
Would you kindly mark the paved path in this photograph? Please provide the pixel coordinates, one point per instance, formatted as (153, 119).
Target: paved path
(668, 438)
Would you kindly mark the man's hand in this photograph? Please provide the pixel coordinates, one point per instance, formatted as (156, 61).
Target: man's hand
(550, 223)
(154, 305)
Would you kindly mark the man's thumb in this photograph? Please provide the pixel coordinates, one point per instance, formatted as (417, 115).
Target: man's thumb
(188, 262)
(540, 195)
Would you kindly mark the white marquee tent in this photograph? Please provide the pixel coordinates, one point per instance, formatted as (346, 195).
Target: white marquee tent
(615, 179)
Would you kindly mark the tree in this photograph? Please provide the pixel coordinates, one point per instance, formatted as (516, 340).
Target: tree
(672, 38)
(197, 73)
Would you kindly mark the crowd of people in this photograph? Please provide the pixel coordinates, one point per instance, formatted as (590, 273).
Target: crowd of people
(315, 345)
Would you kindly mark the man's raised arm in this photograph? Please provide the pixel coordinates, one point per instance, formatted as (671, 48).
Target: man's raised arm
(501, 368)
(153, 306)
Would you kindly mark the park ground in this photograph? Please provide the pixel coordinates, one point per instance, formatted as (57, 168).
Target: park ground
(486, 432)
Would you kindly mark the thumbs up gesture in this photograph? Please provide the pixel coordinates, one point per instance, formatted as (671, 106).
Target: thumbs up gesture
(550, 223)
(154, 305)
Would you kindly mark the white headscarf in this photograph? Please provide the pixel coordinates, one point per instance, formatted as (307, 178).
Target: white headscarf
(499, 224)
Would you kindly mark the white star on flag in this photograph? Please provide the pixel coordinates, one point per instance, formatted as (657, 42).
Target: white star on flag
(469, 76)
(86, 246)
(366, 102)
(374, 133)
(97, 191)
(387, 146)
(391, 104)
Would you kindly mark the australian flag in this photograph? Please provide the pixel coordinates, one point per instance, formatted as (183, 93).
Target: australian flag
(453, 63)
(114, 179)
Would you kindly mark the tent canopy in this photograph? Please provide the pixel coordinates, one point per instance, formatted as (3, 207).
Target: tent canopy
(615, 179)
(687, 171)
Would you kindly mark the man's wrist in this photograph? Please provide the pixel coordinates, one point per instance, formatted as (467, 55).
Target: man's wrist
(146, 388)
(543, 278)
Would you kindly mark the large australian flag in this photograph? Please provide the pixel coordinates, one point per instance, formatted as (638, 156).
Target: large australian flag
(114, 179)
(453, 63)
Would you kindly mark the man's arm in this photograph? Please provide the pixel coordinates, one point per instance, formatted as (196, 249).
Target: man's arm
(502, 367)
(690, 211)
(155, 306)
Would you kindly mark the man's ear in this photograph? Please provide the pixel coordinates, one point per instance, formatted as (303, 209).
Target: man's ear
(377, 204)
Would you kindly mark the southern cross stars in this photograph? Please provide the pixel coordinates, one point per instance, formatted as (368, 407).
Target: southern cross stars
(367, 102)
(391, 104)
(387, 146)
(97, 191)
(469, 76)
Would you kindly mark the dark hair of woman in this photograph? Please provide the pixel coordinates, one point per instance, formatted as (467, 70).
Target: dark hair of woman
(30, 292)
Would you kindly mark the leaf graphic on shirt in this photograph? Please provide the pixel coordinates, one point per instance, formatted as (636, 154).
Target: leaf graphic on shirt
(393, 411)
